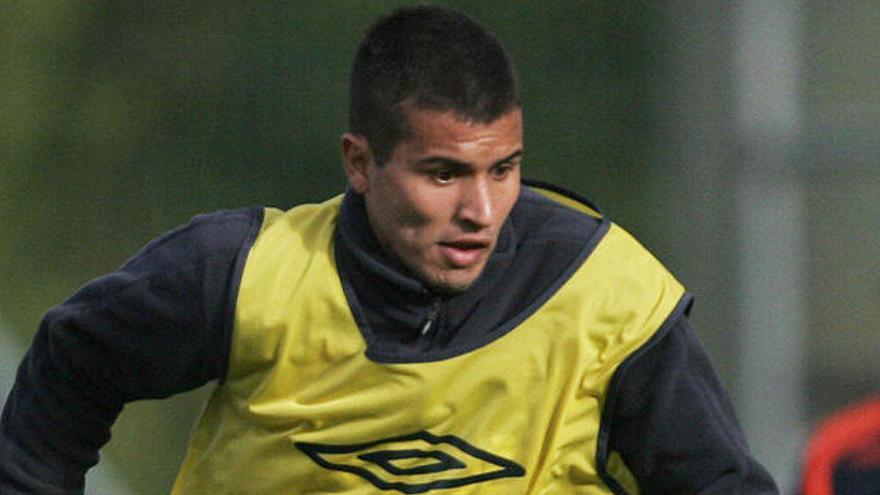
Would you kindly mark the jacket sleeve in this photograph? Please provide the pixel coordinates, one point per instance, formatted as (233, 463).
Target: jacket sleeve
(159, 325)
(673, 424)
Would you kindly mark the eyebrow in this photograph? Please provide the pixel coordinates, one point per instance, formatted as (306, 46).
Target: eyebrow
(458, 163)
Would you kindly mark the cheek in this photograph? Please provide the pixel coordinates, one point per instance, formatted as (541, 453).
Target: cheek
(507, 200)
(422, 210)
(412, 217)
(406, 223)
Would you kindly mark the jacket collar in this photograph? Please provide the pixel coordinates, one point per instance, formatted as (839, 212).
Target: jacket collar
(389, 296)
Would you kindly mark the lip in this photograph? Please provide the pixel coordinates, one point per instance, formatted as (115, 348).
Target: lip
(465, 252)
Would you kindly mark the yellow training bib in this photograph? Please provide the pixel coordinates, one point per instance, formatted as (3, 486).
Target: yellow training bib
(303, 411)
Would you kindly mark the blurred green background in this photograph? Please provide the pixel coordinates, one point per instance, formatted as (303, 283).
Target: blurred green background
(123, 119)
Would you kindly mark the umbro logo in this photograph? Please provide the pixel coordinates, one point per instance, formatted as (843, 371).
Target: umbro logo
(415, 463)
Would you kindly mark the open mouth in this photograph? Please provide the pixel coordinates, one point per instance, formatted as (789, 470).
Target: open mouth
(464, 253)
(466, 245)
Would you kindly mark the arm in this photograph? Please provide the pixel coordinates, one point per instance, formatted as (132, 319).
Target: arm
(159, 325)
(673, 424)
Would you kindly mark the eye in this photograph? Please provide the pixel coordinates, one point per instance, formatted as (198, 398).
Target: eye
(443, 175)
(502, 170)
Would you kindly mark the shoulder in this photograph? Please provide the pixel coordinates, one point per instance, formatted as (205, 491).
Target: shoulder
(550, 235)
(566, 250)
(548, 213)
(219, 233)
(551, 213)
(217, 228)
(564, 225)
(600, 266)
(303, 216)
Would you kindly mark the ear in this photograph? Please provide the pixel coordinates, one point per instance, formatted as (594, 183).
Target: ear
(357, 157)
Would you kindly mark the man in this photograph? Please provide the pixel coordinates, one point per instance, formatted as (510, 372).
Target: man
(439, 328)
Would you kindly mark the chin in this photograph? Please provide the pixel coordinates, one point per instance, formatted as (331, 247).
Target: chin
(448, 280)
(450, 289)
(447, 286)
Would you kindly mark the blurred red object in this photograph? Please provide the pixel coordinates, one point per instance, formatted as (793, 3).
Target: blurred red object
(843, 454)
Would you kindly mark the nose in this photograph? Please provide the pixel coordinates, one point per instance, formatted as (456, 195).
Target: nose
(476, 205)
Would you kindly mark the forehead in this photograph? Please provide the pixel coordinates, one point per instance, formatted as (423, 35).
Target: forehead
(446, 130)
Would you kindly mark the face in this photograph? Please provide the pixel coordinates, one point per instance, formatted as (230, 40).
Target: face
(440, 200)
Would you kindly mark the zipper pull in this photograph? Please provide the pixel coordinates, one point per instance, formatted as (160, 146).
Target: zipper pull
(432, 315)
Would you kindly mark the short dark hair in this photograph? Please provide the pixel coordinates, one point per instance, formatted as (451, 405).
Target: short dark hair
(433, 58)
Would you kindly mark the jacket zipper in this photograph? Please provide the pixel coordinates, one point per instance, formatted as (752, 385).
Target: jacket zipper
(432, 316)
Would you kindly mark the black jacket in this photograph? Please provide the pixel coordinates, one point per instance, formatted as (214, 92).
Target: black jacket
(162, 324)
